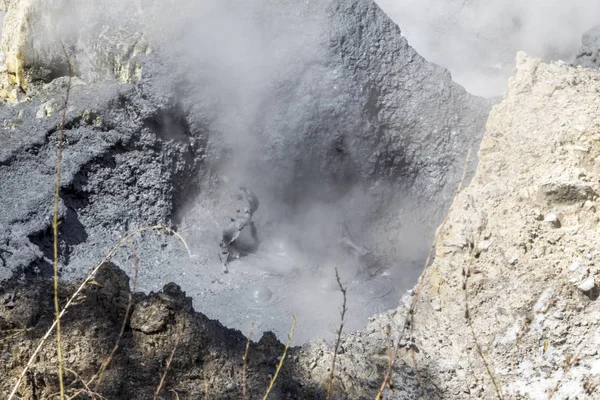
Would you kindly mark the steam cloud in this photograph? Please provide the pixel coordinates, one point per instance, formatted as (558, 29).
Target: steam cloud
(477, 40)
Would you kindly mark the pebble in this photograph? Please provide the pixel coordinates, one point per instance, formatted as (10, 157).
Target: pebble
(483, 246)
(544, 301)
(558, 315)
(575, 265)
(587, 284)
(553, 220)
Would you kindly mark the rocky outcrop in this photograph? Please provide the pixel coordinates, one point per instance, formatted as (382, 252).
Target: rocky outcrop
(589, 53)
(516, 260)
(101, 40)
(128, 158)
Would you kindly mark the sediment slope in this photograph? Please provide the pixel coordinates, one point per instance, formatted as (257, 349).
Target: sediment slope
(520, 246)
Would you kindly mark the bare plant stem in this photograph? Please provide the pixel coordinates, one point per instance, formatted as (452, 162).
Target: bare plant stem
(287, 346)
(86, 280)
(55, 224)
(409, 322)
(569, 362)
(339, 334)
(164, 375)
(86, 389)
(136, 267)
(391, 357)
(467, 274)
(245, 366)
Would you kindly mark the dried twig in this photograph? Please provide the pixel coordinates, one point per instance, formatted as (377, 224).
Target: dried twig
(409, 320)
(136, 268)
(87, 389)
(245, 366)
(467, 273)
(87, 279)
(569, 362)
(391, 357)
(287, 346)
(55, 224)
(164, 375)
(339, 334)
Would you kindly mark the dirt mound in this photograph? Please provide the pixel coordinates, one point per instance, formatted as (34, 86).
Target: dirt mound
(207, 359)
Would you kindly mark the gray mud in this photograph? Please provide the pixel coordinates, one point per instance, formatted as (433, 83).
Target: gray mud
(321, 108)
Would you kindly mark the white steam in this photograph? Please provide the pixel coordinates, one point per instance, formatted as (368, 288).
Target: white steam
(476, 40)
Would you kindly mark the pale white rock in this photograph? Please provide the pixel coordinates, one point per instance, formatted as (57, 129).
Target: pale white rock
(587, 285)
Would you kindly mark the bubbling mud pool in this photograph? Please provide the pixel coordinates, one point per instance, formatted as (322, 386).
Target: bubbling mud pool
(293, 270)
(268, 288)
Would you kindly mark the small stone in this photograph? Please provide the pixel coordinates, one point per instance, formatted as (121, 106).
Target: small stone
(587, 285)
(544, 301)
(485, 245)
(552, 219)
(150, 319)
(558, 315)
(575, 265)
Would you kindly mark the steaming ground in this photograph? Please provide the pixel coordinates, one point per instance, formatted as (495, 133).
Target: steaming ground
(320, 107)
(293, 270)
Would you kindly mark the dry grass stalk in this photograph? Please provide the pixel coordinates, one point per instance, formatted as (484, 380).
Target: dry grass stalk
(339, 334)
(164, 375)
(245, 366)
(55, 224)
(467, 273)
(569, 362)
(409, 320)
(136, 268)
(85, 282)
(205, 385)
(87, 390)
(391, 357)
(287, 346)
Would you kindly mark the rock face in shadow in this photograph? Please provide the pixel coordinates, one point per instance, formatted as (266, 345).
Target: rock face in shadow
(207, 357)
(589, 53)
